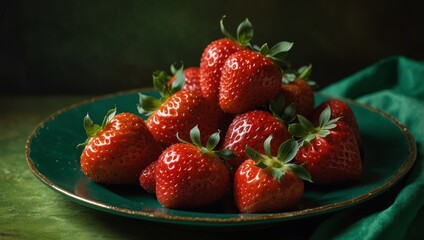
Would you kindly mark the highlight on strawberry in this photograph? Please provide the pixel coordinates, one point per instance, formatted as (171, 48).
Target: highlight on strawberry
(190, 175)
(267, 183)
(116, 151)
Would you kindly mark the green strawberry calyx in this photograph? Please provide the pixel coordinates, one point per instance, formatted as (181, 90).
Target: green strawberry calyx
(305, 131)
(213, 140)
(282, 112)
(148, 104)
(280, 164)
(92, 129)
(244, 32)
(303, 73)
(277, 53)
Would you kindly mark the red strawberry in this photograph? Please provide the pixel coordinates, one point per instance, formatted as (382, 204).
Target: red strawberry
(265, 183)
(330, 151)
(117, 151)
(192, 79)
(215, 54)
(147, 178)
(177, 111)
(212, 60)
(190, 175)
(298, 91)
(252, 128)
(340, 110)
(181, 112)
(250, 79)
(301, 94)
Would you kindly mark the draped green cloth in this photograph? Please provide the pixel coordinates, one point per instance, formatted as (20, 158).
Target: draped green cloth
(396, 86)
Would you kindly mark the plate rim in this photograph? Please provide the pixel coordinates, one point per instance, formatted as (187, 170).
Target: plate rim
(251, 218)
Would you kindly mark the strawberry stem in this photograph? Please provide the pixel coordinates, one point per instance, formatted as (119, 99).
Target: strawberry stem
(305, 131)
(244, 32)
(281, 163)
(148, 104)
(282, 112)
(213, 140)
(303, 73)
(91, 129)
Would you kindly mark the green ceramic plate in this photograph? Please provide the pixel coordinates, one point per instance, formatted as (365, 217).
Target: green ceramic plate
(389, 152)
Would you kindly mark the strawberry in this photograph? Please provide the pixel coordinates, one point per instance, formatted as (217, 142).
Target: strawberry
(177, 111)
(189, 175)
(329, 151)
(181, 112)
(267, 183)
(340, 110)
(147, 178)
(252, 128)
(215, 54)
(299, 92)
(192, 79)
(118, 150)
(250, 79)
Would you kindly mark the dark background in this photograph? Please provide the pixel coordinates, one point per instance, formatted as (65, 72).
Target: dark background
(96, 47)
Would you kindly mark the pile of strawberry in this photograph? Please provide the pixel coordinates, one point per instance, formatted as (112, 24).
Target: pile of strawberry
(273, 136)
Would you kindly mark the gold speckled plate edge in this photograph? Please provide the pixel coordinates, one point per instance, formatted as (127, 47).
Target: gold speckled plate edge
(243, 218)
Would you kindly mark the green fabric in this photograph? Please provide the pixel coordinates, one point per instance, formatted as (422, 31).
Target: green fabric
(396, 86)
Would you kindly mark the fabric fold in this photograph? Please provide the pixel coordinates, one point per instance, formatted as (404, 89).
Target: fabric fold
(396, 86)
